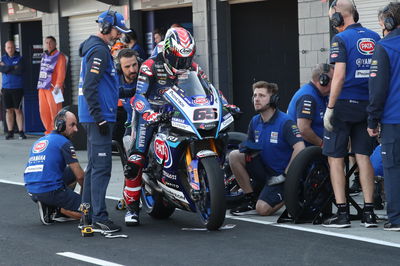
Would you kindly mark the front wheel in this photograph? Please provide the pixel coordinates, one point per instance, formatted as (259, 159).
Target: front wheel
(211, 205)
(154, 203)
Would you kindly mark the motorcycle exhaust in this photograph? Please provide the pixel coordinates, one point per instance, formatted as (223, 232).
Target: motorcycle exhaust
(147, 180)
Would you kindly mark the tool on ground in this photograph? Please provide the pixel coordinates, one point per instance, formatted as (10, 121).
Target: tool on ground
(87, 228)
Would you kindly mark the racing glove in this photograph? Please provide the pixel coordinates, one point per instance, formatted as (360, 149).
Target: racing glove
(328, 118)
(103, 127)
(151, 116)
(233, 109)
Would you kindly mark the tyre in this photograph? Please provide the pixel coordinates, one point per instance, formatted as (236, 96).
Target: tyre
(232, 197)
(211, 204)
(154, 204)
(307, 185)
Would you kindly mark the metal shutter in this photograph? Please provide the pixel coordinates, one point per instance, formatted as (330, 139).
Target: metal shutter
(80, 28)
(368, 10)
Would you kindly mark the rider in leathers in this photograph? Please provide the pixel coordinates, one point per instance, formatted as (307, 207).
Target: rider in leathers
(155, 76)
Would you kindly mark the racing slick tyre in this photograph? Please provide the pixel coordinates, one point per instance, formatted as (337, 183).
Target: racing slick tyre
(307, 185)
(211, 205)
(154, 204)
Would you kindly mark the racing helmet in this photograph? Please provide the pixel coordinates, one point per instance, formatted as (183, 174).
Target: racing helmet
(179, 49)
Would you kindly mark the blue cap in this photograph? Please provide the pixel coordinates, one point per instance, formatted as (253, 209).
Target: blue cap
(115, 19)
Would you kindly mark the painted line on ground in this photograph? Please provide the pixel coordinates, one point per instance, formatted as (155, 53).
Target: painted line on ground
(12, 182)
(318, 231)
(23, 184)
(88, 259)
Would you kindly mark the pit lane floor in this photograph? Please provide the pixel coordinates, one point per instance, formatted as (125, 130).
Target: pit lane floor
(255, 240)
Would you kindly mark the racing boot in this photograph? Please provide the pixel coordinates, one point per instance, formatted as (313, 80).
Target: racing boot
(132, 215)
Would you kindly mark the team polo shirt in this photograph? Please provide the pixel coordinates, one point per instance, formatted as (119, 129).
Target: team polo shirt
(308, 103)
(48, 159)
(277, 137)
(354, 46)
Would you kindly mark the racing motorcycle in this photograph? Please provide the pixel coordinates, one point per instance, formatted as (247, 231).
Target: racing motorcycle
(186, 154)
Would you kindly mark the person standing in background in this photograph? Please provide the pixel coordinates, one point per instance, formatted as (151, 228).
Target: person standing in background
(51, 81)
(11, 69)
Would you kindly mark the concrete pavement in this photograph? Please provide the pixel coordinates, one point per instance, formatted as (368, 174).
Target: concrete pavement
(14, 155)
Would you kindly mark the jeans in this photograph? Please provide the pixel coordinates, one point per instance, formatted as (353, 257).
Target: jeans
(98, 170)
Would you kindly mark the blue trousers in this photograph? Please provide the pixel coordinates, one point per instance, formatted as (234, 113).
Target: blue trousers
(390, 139)
(98, 170)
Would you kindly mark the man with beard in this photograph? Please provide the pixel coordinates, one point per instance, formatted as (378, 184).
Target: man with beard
(53, 170)
(97, 105)
(273, 141)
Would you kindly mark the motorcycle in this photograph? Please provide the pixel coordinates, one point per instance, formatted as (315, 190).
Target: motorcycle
(187, 152)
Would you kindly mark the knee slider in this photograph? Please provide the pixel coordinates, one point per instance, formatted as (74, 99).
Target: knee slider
(133, 166)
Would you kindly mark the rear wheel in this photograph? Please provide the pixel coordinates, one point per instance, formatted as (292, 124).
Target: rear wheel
(154, 204)
(307, 185)
(211, 204)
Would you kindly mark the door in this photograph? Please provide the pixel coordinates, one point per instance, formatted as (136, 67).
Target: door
(264, 47)
(31, 47)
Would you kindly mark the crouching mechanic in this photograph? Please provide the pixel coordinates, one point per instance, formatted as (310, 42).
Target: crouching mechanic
(155, 75)
(308, 105)
(273, 141)
(48, 179)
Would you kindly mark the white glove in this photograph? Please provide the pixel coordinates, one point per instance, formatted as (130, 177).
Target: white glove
(276, 180)
(327, 119)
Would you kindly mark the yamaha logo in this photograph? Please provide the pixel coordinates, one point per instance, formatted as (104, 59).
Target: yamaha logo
(366, 46)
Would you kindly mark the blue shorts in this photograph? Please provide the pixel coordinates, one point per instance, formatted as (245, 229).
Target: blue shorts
(63, 197)
(273, 195)
(349, 121)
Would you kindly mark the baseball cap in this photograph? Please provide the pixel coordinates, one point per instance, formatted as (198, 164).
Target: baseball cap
(117, 20)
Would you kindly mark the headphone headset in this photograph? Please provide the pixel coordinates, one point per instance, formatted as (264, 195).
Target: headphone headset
(273, 100)
(108, 22)
(390, 22)
(59, 120)
(324, 78)
(126, 53)
(337, 18)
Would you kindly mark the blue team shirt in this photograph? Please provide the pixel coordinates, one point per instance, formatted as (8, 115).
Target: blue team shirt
(384, 82)
(12, 79)
(277, 137)
(308, 103)
(354, 46)
(48, 159)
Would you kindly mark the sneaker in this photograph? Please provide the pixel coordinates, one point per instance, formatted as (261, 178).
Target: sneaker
(10, 136)
(61, 218)
(132, 218)
(247, 207)
(338, 221)
(46, 213)
(391, 227)
(106, 227)
(22, 135)
(369, 219)
(355, 187)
